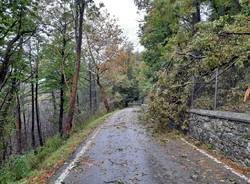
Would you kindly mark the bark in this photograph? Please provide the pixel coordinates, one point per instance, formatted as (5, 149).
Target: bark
(95, 95)
(62, 82)
(60, 122)
(25, 126)
(33, 141)
(196, 16)
(18, 125)
(54, 102)
(90, 89)
(37, 109)
(80, 7)
(10, 145)
(78, 103)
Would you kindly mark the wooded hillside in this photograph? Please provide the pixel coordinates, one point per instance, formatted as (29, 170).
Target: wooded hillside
(60, 63)
(197, 54)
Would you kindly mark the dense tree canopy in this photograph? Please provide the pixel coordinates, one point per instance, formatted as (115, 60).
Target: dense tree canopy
(186, 42)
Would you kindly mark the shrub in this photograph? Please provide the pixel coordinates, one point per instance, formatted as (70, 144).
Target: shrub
(51, 145)
(15, 169)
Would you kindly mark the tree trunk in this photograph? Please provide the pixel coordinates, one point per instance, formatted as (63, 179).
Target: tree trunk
(103, 94)
(80, 7)
(33, 141)
(37, 112)
(10, 145)
(196, 16)
(60, 122)
(25, 126)
(37, 101)
(62, 83)
(95, 95)
(90, 89)
(18, 125)
(78, 103)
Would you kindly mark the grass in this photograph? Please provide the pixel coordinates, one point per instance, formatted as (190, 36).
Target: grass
(38, 167)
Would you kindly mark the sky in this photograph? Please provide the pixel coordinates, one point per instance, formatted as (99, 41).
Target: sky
(126, 13)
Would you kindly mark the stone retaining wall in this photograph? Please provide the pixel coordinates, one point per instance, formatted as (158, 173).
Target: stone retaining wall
(226, 131)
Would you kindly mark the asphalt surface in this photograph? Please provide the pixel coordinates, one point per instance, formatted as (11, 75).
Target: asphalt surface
(123, 152)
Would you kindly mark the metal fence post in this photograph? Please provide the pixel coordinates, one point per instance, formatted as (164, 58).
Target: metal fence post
(192, 97)
(216, 88)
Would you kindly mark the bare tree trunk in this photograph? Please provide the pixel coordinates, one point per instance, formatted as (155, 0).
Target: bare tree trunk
(95, 95)
(38, 113)
(60, 122)
(37, 101)
(18, 125)
(33, 116)
(78, 104)
(25, 125)
(79, 7)
(90, 89)
(10, 145)
(196, 16)
(33, 141)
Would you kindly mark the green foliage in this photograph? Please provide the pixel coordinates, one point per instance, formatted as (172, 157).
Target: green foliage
(15, 169)
(190, 55)
(168, 100)
(51, 146)
(23, 166)
(245, 7)
(210, 146)
(19, 167)
(155, 33)
(225, 7)
(128, 90)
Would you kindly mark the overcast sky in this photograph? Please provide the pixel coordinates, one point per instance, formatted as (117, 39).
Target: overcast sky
(126, 13)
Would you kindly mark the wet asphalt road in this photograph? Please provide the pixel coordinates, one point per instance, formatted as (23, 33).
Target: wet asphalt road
(124, 153)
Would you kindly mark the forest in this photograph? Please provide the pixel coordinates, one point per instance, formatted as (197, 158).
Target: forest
(63, 62)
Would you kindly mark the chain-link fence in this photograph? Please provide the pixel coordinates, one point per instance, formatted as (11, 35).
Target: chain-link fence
(224, 89)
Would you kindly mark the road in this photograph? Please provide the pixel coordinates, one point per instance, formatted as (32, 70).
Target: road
(123, 152)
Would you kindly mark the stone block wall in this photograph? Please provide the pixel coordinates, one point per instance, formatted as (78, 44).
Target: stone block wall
(225, 131)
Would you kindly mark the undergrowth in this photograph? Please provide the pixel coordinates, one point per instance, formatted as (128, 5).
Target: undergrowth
(37, 167)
